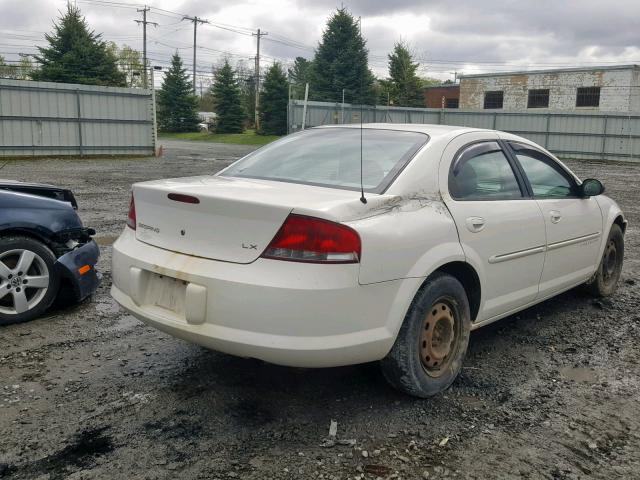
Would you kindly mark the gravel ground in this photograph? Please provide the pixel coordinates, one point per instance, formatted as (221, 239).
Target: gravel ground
(89, 392)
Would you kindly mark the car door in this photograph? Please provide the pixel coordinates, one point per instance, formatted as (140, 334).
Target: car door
(501, 229)
(573, 223)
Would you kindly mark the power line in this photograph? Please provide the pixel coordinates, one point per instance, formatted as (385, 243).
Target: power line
(377, 61)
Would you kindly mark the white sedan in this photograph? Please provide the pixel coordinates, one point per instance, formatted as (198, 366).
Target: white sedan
(347, 244)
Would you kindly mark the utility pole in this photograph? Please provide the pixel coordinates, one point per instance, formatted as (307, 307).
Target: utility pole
(195, 21)
(257, 82)
(144, 23)
(304, 108)
(154, 113)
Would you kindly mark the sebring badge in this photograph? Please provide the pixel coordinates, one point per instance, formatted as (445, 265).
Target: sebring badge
(148, 227)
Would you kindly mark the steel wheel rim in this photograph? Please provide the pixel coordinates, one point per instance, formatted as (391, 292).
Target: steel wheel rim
(24, 281)
(609, 261)
(438, 338)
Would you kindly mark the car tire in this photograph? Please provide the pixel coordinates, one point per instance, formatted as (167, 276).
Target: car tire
(432, 343)
(20, 302)
(605, 280)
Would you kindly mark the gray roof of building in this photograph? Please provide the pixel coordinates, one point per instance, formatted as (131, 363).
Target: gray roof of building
(598, 68)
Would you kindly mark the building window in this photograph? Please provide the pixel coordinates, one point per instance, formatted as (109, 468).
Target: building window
(538, 98)
(452, 103)
(588, 97)
(493, 100)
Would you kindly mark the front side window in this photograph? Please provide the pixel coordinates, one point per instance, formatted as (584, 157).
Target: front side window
(330, 157)
(546, 178)
(493, 100)
(482, 172)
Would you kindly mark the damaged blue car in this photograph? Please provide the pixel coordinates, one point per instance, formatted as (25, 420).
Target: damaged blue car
(43, 248)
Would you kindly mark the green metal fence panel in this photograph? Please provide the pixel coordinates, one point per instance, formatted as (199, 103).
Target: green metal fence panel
(45, 119)
(601, 135)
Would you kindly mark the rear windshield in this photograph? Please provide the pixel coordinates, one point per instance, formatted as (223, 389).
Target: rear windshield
(330, 157)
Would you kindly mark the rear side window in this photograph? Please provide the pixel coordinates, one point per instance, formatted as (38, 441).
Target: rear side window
(482, 172)
(330, 157)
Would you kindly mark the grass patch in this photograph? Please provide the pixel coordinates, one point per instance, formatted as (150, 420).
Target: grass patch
(247, 138)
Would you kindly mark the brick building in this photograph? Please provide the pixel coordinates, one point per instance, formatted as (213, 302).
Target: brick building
(433, 96)
(607, 89)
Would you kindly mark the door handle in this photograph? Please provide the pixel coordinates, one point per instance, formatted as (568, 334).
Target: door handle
(555, 216)
(475, 224)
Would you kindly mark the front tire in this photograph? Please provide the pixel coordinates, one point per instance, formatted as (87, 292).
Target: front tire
(431, 345)
(28, 281)
(605, 281)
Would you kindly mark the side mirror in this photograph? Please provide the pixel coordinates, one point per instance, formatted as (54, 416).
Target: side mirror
(591, 187)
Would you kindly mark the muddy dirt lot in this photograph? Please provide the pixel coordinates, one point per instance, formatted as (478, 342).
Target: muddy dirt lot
(89, 392)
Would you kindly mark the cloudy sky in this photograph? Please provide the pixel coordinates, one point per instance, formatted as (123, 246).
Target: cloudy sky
(463, 35)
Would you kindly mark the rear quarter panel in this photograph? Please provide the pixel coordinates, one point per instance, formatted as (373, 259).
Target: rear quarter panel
(411, 233)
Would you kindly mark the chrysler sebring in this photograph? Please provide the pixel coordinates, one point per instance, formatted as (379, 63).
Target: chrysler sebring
(347, 244)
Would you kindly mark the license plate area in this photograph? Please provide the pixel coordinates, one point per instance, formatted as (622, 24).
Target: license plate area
(167, 293)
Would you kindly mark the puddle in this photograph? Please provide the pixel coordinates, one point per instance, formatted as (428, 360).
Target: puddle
(579, 374)
(81, 452)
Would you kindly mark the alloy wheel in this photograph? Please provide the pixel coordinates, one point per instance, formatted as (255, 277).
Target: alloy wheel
(24, 281)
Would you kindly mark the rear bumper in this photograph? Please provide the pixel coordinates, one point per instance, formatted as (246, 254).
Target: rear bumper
(286, 313)
(70, 266)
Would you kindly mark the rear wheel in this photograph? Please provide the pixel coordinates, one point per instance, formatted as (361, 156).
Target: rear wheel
(432, 342)
(605, 280)
(28, 282)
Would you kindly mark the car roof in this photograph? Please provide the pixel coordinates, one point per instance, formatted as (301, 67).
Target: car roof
(433, 130)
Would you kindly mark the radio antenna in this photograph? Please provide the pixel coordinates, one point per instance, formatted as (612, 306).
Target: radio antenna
(362, 198)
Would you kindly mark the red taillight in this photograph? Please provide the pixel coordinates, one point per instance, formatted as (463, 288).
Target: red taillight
(131, 219)
(309, 239)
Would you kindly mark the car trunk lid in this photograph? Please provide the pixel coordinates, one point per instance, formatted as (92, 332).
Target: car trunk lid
(233, 220)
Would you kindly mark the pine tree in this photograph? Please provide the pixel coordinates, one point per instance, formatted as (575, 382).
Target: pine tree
(405, 85)
(341, 63)
(246, 78)
(228, 104)
(76, 54)
(299, 75)
(176, 102)
(273, 102)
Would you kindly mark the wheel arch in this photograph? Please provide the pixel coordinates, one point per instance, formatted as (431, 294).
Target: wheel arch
(620, 221)
(32, 233)
(470, 280)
